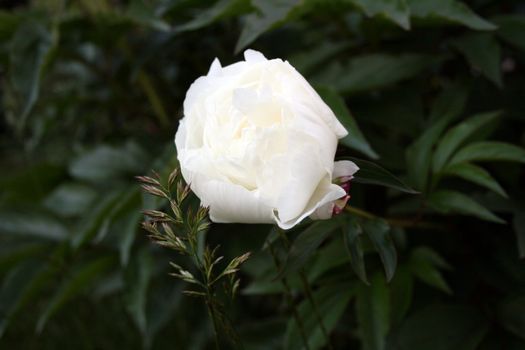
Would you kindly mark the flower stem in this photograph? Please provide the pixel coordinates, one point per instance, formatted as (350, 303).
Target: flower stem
(308, 291)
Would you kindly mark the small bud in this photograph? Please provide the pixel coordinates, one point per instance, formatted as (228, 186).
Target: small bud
(346, 186)
(339, 205)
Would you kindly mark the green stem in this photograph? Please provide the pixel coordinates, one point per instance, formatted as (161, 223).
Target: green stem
(289, 296)
(211, 314)
(153, 97)
(308, 291)
(401, 223)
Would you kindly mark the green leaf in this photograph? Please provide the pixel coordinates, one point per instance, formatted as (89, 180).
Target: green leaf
(519, 228)
(137, 278)
(483, 53)
(32, 224)
(424, 264)
(108, 163)
(130, 225)
(443, 327)
(306, 244)
(352, 231)
(221, 9)
(457, 135)
(449, 10)
(511, 28)
(24, 184)
(373, 313)
(418, 154)
(143, 13)
(355, 138)
(70, 199)
(372, 174)
(489, 151)
(79, 279)
(447, 201)
(28, 51)
(9, 22)
(309, 61)
(475, 174)
(330, 256)
(447, 106)
(15, 289)
(269, 14)
(14, 251)
(159, 312)
(511, 315)
(395, 10)
(401, 293)
(450, 103)
(373, 71)
(332, 301)
(95, 221)
(378, 231)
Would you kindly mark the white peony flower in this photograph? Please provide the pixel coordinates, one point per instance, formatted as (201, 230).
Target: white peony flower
(257, 145)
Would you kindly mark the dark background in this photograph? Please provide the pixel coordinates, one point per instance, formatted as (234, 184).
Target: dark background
(91, 94)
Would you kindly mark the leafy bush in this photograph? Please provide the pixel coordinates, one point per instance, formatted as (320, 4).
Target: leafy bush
(427, 255)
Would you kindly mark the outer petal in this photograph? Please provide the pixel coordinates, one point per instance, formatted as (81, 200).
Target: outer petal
(344, 168)
(215, 68)
(304, 173)
(234, 203)
(323, 111)
(322, 199)
(254, 56)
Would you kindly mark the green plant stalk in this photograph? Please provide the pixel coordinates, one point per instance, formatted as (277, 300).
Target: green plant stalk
(149, 90)
(211, 313)
(153, 98)
(308, 291)
(401, 223)
(209, 290)
(289, 296)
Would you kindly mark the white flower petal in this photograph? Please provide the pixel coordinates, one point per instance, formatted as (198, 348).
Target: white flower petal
(253, 56)
(215, 68)
(317, 208)
(324, 113)
(305, 171)
(234, 203)
(323, 212)
(344, 168)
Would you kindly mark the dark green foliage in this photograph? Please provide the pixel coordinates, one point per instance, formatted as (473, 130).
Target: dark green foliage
(428, 254)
